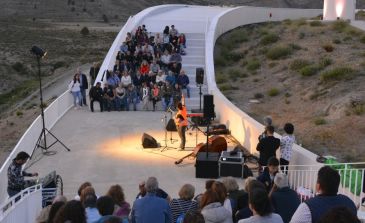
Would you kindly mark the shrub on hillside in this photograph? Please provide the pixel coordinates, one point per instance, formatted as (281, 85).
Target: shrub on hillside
(309, 70)
(258, 95)
(269, 39)
(220, 79)
(253, 65)
(20, 68)
(362, 39)
(319, 121)
(328, 47)
(220, 61)
(273, 92)
(294, 46)
(339, 73)
(85, 31)
(298, 64)
(336, 41)
(325, 62)
(315, 23)
(340, 25)
(105, 18)
(238, 36)
(234, 57)
(278, 52)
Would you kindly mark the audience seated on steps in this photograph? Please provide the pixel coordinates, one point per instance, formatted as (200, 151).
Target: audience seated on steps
(140, 59)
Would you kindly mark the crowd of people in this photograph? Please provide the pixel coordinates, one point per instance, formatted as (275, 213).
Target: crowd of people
(222, 202)
(147, 70)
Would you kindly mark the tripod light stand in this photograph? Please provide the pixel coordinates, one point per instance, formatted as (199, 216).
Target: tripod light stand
(40, 53)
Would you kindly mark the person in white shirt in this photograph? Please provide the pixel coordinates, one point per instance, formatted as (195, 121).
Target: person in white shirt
(126, 79)
(286, 146)
(75, 89)
(160, 78)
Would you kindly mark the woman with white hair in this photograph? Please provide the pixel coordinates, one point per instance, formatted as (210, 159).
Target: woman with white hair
(180, 206)
(284, 200)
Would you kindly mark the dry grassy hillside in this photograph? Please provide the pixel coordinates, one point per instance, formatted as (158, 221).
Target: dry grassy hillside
(307, 73)
(100, 10)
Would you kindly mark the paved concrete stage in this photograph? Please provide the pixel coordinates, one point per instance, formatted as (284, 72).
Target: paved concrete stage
(106, 149)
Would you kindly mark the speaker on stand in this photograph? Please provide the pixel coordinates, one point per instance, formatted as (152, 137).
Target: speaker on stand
(199, 79)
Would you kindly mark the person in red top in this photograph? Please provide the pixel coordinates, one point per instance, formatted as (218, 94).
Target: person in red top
(145, 68)
(181, 121)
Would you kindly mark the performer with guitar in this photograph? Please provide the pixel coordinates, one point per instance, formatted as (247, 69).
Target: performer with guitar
(181, 121)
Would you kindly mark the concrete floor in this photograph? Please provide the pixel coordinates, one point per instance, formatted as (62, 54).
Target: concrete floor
(106, 149)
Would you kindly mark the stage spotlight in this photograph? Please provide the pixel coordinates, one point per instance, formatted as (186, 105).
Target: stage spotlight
(38, 51)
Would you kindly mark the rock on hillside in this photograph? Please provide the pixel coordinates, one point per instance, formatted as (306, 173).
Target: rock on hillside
(114, 10)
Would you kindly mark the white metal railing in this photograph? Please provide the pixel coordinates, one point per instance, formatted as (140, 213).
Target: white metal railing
(22, 207)
(303, 178)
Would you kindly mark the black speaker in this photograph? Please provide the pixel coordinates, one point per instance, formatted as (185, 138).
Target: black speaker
(148, 141)
(207, 167)
(199, 75)
(208, 109)
(171, 126)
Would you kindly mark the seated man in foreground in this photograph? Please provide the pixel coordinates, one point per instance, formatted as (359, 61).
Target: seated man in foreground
(151, 208)
(312, 210)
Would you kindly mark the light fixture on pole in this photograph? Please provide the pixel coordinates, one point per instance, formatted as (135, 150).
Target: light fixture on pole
(40, 53)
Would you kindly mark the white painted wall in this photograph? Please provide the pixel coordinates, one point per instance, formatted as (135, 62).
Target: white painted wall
(244, 128)
(343, 9)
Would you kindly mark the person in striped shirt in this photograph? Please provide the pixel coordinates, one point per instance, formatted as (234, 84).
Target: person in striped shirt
(184, 203)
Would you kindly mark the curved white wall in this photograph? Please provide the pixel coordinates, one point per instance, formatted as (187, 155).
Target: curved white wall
(244, 128)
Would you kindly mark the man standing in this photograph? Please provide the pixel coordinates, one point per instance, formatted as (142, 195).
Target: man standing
(151, 208)
(267, 146)
(181, 121)
(94, 70)
(328, 181)
(83, 86)
(16, 182)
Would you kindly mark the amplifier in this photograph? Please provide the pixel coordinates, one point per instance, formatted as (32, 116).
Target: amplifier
(231, 164)
(207, 167)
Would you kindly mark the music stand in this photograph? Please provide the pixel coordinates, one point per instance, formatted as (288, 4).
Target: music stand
(166, 147)
(40, 53)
